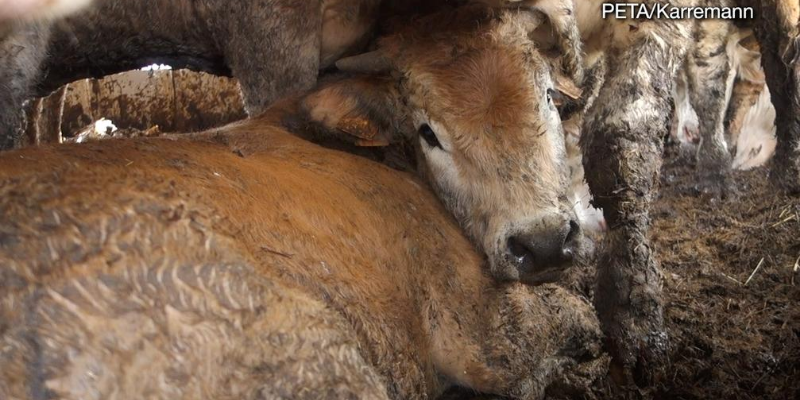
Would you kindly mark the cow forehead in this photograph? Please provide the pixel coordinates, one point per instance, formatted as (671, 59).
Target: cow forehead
(489, 95)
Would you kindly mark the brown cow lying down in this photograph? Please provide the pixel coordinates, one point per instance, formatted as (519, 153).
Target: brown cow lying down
(267, 266)
(176, 269)
(170, 268)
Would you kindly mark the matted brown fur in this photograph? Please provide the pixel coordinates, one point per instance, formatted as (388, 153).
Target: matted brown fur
(180, 269)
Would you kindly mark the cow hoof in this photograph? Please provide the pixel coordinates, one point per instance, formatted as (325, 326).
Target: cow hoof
(716, 185)
(637, 362)
(628, 301)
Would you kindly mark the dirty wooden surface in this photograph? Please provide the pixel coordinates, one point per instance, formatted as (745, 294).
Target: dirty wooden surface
(174, 100)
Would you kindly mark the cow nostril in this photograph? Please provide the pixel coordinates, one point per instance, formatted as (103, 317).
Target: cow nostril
(572, 234)
(518, 249)
(539, 258)
(570, 240)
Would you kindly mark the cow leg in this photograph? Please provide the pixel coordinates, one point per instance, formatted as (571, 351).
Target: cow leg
(776, 29)
(21, 53)
(276, 53)
(709, 73)
(562, 18)
(622, 146)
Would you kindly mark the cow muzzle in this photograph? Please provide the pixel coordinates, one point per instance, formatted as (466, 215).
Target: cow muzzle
(543, 251)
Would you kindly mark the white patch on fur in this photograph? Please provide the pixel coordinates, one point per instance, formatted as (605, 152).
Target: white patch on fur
(756, 142)
(440, 161)
(686, 128)
(589, 217)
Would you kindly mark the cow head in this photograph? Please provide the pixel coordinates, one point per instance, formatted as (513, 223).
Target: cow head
(478, 101)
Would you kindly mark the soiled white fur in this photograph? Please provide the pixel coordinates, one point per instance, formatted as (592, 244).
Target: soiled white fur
(579, 195)
(685, 127)
(756, 141)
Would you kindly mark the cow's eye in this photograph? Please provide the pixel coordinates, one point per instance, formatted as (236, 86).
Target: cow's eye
(427, 133)
(550, 93)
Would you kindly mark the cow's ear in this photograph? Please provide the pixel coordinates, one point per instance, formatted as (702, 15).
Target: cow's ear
(568, 96)
(358, 110)
(567, 88)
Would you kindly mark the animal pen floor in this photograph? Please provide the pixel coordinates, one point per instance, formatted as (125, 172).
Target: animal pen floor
(731, 287)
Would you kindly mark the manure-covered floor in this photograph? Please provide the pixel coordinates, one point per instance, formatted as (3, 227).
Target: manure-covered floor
(731, 286)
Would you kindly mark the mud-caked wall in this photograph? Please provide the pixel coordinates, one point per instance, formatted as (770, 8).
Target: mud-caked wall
(173, 100)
